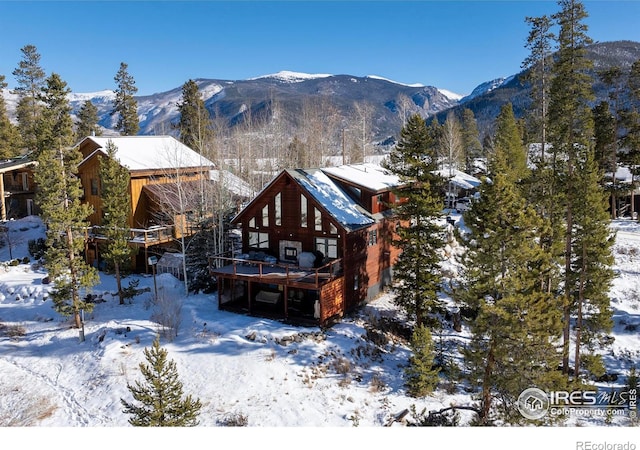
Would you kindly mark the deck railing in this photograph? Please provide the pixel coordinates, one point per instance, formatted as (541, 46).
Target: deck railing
(271, 272)
(146, 236)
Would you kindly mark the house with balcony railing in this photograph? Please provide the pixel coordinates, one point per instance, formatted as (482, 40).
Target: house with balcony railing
(162, 172)
(315, 244)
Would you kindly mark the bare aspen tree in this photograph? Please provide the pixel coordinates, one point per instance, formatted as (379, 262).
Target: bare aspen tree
(364, 117)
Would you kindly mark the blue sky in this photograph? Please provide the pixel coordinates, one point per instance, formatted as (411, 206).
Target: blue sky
(453, 45)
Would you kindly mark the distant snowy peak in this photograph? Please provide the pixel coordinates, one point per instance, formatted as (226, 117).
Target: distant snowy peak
(84, 96)
(450, 95)
(376, 77)
(487, 87)
(293, 77)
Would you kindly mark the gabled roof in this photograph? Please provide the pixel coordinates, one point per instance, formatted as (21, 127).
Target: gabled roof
(333, 199)
(150, 152)
(232, 183)
(371, 177)
(458, 178)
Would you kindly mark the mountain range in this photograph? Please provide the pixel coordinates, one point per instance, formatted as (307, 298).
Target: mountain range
(289, 93)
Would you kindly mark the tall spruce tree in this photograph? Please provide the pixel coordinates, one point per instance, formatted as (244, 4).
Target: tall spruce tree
(116, 207)
(30, 79)
(195, 121)
(508, 142)
(419, 236)
(87, 121)
(592, 273)
(511, 346)
(570, 133)
(472, 147)
(58, 196)
(9, 135)
(125, 105)
(160, 401)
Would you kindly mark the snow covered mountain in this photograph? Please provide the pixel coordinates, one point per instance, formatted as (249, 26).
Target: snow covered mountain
(234, 101)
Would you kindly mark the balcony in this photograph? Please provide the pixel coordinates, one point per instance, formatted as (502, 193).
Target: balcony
(275, 273)
(141, 237)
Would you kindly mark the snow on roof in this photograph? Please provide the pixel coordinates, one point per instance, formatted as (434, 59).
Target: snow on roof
(372, 177)
(232, 183)
(347, 212)
(152, 152)
(460, 179)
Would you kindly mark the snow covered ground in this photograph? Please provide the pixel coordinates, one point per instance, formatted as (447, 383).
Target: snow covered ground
(271, 374)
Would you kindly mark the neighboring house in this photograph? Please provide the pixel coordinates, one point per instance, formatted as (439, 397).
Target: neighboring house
(460, 188)
(17, 188)
(160, 167)
(315, 245)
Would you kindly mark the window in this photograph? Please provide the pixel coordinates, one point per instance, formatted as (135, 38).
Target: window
(94, 186)
(318, 219)
(265, 216)
(328, 247)
(333, 229)
(252, 222)
(258, 240)
(303, 211)
(373, 237)
(278, 208)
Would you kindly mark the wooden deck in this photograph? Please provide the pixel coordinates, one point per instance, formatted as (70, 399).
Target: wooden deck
(140, 237)
(274, 273)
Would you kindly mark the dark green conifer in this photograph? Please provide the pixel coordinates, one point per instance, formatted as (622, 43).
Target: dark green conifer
(511, 345)
(87, 121)
(58, 196)
(125, 105)
(159, 398)
(419, 236)
(195, 121)
(30, 78)
(116, 207)
(421, 375)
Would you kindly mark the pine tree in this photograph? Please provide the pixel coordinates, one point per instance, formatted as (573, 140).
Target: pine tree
(516, 320)
(508, 142)
(195, 121)
(58, 196)
(538, 74)
(9, 135)
(125, 105)
(160, 402)
(421, 375)
(570, 133)
(472, 147)
(592, 273)
(421, 239)
(30, 78)
(116, 207)
(631, 122)
(87, 121)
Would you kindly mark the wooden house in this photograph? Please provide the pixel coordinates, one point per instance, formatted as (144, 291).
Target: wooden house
(159, 167)
(17, 188)
(314, 245)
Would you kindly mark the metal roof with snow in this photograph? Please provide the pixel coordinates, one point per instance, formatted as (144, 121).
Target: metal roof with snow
(371, 177)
